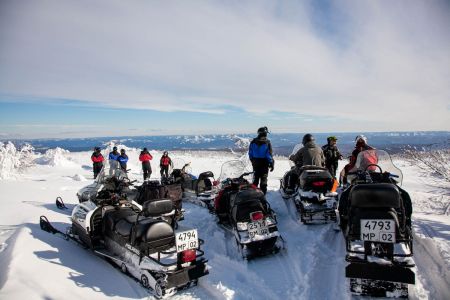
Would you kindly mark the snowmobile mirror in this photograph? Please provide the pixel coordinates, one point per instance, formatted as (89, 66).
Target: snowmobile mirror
(60, 203)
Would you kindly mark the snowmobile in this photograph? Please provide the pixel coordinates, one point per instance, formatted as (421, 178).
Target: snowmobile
(375, 217)
(139, 241)
(199, 190)
(242, 209)
(313, 193)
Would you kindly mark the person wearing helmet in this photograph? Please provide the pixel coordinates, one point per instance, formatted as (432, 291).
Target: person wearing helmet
(123, 159)
(145, 157)
(310, 154)
(113, 160)
(260, 154)
(360, 145)
(332, 155)
(97, 161)
(164, 164)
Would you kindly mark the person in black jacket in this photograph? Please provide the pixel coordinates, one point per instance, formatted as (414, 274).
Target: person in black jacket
(332, 155)
(260, 154)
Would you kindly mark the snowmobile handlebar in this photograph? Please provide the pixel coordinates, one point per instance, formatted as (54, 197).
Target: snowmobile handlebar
(245, 174)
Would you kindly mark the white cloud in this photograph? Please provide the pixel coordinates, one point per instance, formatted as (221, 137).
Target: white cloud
(385, 66)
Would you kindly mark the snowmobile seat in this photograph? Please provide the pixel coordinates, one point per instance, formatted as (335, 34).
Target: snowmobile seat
(113, 217)
(379, 195)
(156, 208)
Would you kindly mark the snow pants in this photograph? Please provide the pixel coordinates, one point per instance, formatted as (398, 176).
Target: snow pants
(261, 173)
(146, 169)
(164, 171)
(97, 167)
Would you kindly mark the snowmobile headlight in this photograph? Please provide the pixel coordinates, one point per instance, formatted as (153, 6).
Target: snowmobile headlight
(241, 226)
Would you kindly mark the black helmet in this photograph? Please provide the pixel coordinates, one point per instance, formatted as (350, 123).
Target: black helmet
(122, 150)
(145, 150)
(263, 131)
(308, 138)
(114, 148)
(97, 148)
(166, 153)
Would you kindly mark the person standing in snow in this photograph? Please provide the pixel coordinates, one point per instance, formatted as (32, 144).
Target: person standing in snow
(145, 157)
(113, 161)
(164, 164)
(332, 155)
(123, 159)
(97, 161)
(260, 154)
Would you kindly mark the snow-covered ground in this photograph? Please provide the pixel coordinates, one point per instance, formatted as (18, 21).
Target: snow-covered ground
(37, 265)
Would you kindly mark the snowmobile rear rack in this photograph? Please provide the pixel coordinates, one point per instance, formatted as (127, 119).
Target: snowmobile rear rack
(375, 271)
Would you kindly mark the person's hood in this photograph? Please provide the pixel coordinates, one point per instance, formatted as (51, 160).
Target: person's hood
(310, 145)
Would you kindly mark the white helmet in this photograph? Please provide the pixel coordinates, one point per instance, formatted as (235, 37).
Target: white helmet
(361, 137)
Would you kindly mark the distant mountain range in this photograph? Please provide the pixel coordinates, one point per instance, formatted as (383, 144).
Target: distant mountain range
(282, 142)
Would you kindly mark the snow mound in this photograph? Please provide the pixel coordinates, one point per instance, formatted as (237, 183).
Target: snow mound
(13, 160)
(78, 177)
(55, 157)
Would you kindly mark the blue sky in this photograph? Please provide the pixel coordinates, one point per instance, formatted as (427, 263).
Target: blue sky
(80, 69)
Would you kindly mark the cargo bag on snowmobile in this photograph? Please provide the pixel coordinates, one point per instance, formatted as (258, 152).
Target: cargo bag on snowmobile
(316, 179)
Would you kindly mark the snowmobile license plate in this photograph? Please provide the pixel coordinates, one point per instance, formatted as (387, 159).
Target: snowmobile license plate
(186, 240)
(257, 228)
(379, 230)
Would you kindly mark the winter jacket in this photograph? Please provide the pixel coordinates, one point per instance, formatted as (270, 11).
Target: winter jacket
(331, 153)
(260, 149)
(97, 157)
(145, 156)
(354, 156)
(114, 155)
(165, 161)
(123, 159)
(309, 155)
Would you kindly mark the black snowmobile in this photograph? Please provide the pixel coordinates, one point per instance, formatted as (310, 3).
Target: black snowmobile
(242, 209)
(139, 241)
(312, 194)
(375, 217)
(199, 190)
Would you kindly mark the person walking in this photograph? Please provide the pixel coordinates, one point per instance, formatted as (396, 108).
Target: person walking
(145, 157)
(123, 159)
(260, 154)
(164, 164)
(332, 155)
(113, 161)
(97, 161)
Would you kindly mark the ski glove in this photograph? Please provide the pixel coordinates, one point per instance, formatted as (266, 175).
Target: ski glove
(271, 166)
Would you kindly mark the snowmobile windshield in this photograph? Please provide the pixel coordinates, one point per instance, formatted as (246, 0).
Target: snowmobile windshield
(294, 151)
(374, 160)
(232, 169)
(107, 173)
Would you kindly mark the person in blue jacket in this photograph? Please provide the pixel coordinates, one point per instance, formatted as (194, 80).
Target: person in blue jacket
(123, 159)
(260, 154)
(113, 161)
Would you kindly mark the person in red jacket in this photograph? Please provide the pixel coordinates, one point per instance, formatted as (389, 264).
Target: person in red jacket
(97, 161)
(164, 164)
(145, 157)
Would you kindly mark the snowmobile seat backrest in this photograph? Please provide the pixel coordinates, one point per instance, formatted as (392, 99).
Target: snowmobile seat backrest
(155, 208)
(309, 177)
(241, 212)
(205, 175)
(152, 235)
(249, 194)
(375, 195)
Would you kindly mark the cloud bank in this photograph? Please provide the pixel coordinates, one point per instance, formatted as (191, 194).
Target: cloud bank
(380, 65)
